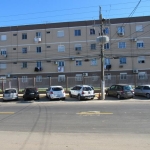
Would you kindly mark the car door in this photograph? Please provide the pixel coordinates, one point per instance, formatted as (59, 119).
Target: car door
(145, 90)
(72, 91)
(77, 91)
(111, 90)
(140, 91)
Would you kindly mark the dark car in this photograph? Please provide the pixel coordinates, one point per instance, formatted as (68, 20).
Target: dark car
(31, 93)
(120, 91)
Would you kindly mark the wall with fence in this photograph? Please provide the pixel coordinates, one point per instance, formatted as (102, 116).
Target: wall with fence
(69, 82)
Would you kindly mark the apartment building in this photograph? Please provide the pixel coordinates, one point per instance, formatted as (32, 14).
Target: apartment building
(70, 49)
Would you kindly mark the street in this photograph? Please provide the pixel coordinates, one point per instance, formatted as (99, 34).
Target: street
(72, 124)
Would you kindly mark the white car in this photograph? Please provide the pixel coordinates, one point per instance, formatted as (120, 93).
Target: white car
(82, 92)
(55, 92)
(10, 94)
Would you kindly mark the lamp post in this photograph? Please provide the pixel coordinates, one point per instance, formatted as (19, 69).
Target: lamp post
(101, 40)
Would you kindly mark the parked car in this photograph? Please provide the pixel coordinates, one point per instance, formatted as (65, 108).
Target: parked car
(31, 93)
(82, 92)
(55, 92)
(143, 90)
(120, 91)
(10, 94)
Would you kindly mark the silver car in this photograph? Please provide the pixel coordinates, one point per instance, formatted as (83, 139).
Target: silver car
(10, 94)
(143, 90)
(55, 92)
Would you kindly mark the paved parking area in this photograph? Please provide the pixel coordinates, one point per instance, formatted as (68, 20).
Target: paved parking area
(68, 99)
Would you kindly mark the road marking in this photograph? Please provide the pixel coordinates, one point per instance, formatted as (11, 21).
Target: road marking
(94, 113)
(6, 112)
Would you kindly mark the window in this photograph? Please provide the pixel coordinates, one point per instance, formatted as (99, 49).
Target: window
(61, 48)
(38, 34)
(38, 78)
(92, 31)
(14, 48)
(61, 78)
(38, 49)
(107, 76)
(78, 62)
(146, 88)
(142, 75)
(107, 61)
(106, 46)
(141, 59)
(94, 62)
(122, 60)
(123, 76)
(24, 50)
(78, 77)
(24, 64)
(139, 28)
(3, 66)
(61, 63)
(77, 32)
(106, 30)
(121, 45)
(24, 36)
(78, 47)
(121, 29)
(60, 33)
(3, 52)
(140, 44)
(39, 64)
(93, 46)
(24, 79)
(3, 37)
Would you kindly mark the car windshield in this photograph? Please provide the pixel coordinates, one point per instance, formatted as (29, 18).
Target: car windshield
(87, 88)
(57, 89)
(31, 90)
(10, 91)
(128, 88)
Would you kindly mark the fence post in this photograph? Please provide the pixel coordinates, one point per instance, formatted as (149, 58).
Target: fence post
(34, 82)
(135, 80)
(18, 84)
(49, 81)
(2, 85)
(67, 84)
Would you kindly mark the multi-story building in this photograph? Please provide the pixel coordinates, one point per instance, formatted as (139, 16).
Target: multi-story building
(70, 49)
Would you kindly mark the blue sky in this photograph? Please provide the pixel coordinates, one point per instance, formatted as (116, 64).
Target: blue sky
(22, 12)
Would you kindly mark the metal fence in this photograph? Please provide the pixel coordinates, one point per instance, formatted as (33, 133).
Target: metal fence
(69, 82)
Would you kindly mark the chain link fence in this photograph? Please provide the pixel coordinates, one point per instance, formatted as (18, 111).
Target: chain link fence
(69, 82)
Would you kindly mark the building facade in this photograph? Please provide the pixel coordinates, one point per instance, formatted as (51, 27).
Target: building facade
(70, 49)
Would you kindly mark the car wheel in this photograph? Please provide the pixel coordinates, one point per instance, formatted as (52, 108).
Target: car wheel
(50, 98)
(64, 98)
(118, 96)
(38, 98)
(70, 94)
(79, 97)
(148, 95)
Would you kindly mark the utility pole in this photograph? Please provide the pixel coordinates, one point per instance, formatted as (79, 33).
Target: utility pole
(102, 39)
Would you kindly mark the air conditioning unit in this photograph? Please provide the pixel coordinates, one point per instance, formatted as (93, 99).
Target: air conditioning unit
(134, 39)
(72, 58)
(135, 71)
(121, 33)
(5, 55)
(85, 74)
(37, 39)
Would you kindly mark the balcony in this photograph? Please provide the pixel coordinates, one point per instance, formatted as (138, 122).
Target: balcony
(37, 69)
(61, 69)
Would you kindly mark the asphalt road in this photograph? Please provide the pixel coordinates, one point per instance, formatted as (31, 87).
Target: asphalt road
(72, 124)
